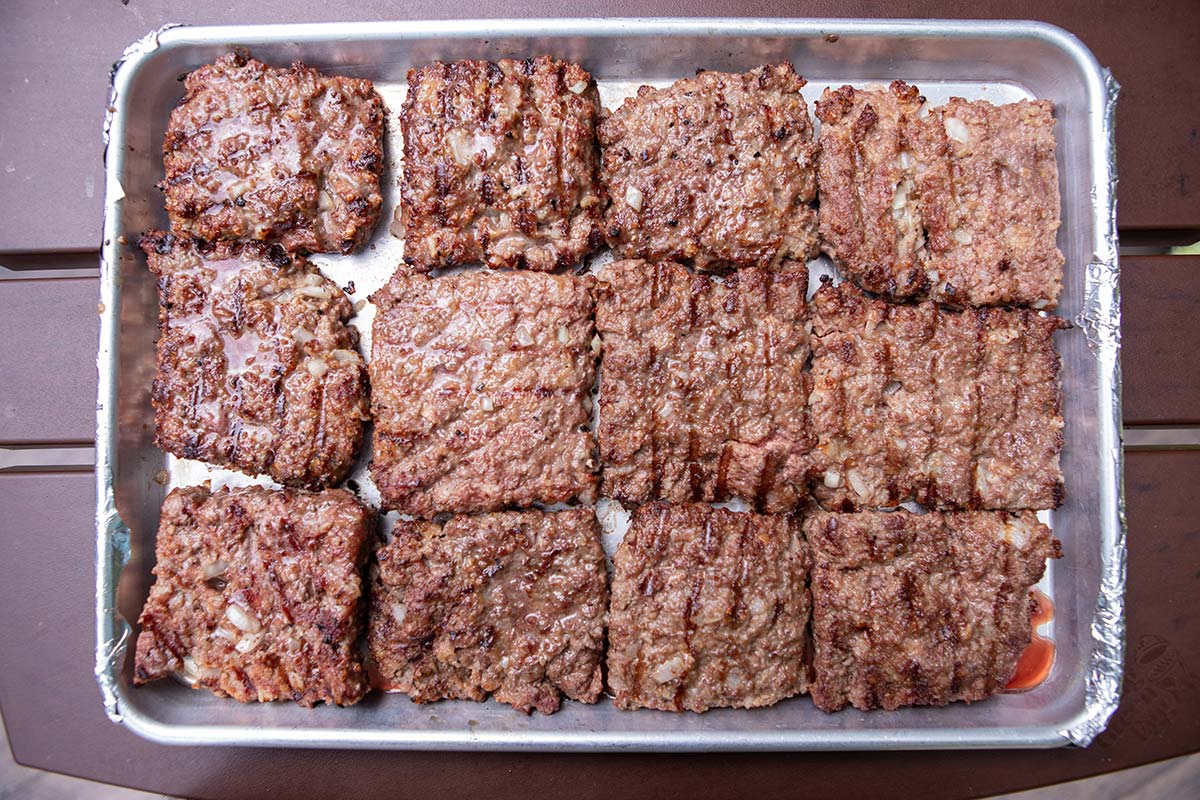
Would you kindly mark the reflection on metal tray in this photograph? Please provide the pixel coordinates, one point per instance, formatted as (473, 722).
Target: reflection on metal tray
(1001, 61)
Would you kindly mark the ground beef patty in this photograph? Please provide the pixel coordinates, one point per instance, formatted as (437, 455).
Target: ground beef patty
(284, 156)
(257, 369)
(961, 205)
(954, 410)
(921, 609)
(500, 164)
(717, 171)
(703, 395)
(257, 595)
(480, 383)
(710, 608)
(508, 604)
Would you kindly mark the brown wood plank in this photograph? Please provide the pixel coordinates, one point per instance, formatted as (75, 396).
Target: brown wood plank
(1160, 349)
(48, 336)
(58, 91)
(52, 707)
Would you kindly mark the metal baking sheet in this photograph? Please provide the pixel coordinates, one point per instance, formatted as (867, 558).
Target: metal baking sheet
(999, 61)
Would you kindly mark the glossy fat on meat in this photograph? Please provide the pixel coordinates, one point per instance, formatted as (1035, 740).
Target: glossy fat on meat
(480, 382)
(258, 595)
(284, 156)
(500, 164)
(921, 609)
(716, 171)
(703, 395)
(710, 608)
(916, 402)
(510, 605)
(958, 203)
(256, 368)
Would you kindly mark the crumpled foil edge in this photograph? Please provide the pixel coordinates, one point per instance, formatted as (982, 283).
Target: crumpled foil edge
(1101, 324)
(113, 631)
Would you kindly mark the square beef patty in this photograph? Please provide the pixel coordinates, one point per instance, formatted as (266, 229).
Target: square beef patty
(509, 604)
(256, 367)
(285, 156)
(710, 608)
(703, 395)
(954, 410)
(479, 388)
(500, 164)
(717, 171)
(960, 205)
(921, 609)
(258, 595)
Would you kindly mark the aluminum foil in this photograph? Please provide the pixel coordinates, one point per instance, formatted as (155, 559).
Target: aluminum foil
(945, 58)
(112, 540)
(1101, 323)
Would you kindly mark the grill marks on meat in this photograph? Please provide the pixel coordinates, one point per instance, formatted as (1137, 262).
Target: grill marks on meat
(256, 368)
(480, 383)
(703, 396)
(257, 595)
(500, 165)
(954, 410)
(960, 205)
(710, 608)
(509, 604)
(921, 609)
(291, 156)
(716, 171)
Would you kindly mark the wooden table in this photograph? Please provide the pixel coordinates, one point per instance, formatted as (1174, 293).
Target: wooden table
(53, 69)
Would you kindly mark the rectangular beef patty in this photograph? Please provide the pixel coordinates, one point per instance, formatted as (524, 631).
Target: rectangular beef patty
(257, 595)
(256, 367)
(500, 164)
(960, 205)
(703, 395)
(509, 604)
(716, 171)
(954, 410)
(291, 156)
(479, 388)
(924, 609)
(710, 608)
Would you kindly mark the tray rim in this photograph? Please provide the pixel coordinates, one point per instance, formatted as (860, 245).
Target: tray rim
(112, 540)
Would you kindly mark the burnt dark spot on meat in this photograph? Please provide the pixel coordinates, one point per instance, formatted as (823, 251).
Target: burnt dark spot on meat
(278, 256)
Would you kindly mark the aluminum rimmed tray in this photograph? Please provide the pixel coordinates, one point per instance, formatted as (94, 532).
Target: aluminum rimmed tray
(997, 60)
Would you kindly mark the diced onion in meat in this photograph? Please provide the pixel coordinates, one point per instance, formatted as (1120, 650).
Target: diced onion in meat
(957, 130)
(669, 670)
(633, 196)
(239, 617)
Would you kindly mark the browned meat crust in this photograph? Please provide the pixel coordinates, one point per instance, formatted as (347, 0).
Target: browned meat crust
(961, 206)
(716, 171)
(257, 595)
(510, 604)
(480, 383)
(710, 609)
(283, 156)
(955, 410)
(500, 164)
(257, 369)
(926, 609)
(703, 396)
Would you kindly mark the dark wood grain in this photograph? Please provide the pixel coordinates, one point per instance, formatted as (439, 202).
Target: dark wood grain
(55, 59)
(53, 712)
(1160, 348)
